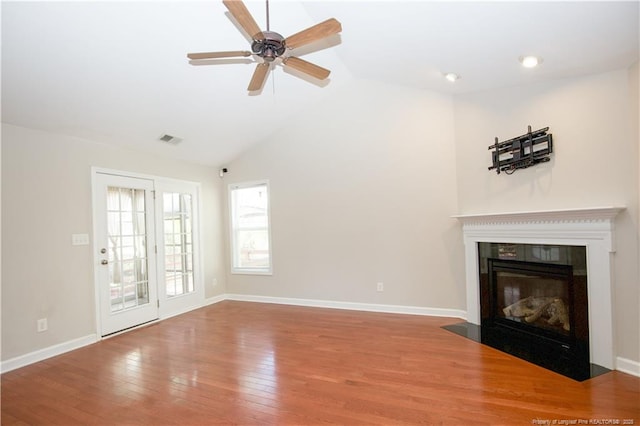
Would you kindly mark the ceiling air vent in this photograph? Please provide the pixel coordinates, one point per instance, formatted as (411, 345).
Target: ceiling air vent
(170, 139)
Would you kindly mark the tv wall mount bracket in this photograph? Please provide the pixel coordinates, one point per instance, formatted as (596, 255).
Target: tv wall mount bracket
(523, 151)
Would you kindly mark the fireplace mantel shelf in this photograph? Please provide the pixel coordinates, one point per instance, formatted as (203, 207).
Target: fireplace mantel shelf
(543, 216)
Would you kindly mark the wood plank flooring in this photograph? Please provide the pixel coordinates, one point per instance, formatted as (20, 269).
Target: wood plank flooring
(260, 364)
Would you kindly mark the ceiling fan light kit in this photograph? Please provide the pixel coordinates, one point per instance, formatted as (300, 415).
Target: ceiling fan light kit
(270, 46)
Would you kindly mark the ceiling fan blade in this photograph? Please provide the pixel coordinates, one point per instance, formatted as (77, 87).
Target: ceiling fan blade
(314, 33)
(244, 18)
(259, 77)
(307, 67)
(216, 55)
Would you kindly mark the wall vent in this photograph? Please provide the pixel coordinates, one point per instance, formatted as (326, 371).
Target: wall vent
(170, 139)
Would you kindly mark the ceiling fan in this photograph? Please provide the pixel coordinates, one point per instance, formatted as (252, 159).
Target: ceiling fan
(271, 46)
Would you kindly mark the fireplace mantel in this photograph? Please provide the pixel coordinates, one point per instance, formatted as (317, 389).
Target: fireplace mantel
(598, 214)
(590, 227)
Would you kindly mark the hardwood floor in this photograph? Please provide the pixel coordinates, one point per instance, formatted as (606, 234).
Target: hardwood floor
(257, 364)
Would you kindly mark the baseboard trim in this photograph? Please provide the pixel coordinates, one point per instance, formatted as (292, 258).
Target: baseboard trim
(369, 307)
(183, 310)
(215, 299)
(51, 351)
(628, 366)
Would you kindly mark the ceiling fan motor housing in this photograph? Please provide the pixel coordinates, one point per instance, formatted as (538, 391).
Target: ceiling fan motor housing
(270, 46)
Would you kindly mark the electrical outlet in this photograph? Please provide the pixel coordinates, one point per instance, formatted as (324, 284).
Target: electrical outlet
(42, 325)
(380, 287)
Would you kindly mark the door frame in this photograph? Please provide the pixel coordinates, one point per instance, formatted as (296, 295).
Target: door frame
(161, 184)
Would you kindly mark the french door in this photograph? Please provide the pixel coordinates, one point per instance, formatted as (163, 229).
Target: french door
(146, 242)
(125, 242)
(179, 285)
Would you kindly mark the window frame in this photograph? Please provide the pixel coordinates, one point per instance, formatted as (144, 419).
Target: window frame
(232, 231)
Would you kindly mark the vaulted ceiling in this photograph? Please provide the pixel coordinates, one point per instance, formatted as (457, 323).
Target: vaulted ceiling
(116, 72)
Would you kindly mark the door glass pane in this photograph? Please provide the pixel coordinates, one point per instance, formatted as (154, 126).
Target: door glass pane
(128, 278)
(178, 250)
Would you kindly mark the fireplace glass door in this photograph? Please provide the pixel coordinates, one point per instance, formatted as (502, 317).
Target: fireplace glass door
(534, 297)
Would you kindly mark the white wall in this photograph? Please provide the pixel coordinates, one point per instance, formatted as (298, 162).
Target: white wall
(46, 197)
(594, 164)
(362, 190)
(593, 149)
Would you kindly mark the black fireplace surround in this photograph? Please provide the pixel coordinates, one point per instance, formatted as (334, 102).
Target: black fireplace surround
(516, 293)
(533, 305)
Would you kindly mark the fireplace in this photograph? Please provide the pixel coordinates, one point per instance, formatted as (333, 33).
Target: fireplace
(533, 304)
(571, 253)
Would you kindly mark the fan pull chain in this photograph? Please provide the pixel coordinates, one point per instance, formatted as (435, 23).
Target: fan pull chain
(273, 83)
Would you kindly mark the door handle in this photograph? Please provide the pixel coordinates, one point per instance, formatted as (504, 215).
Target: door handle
(104, 262)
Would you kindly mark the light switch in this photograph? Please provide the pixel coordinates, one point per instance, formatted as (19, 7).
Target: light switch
(79, 239)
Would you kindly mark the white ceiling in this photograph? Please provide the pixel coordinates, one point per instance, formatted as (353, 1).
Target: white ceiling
(116, 72)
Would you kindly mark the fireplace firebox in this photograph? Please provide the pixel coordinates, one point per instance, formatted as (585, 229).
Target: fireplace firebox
(531, 297)
(537, 308)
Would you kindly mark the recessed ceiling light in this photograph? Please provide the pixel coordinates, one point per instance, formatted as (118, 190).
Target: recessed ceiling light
(530, 61)
(452, 77)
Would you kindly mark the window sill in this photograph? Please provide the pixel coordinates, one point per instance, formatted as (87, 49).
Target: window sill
(250, 272)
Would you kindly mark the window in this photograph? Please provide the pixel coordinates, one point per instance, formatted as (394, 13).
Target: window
(250, 239)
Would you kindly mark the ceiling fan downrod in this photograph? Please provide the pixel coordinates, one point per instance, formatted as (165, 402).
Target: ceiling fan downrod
(270, 45)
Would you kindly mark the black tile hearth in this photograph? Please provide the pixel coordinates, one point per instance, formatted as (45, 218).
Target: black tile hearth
(546, 357)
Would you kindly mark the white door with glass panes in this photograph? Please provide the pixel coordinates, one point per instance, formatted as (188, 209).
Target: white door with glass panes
(125, 243)
(179, 280)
